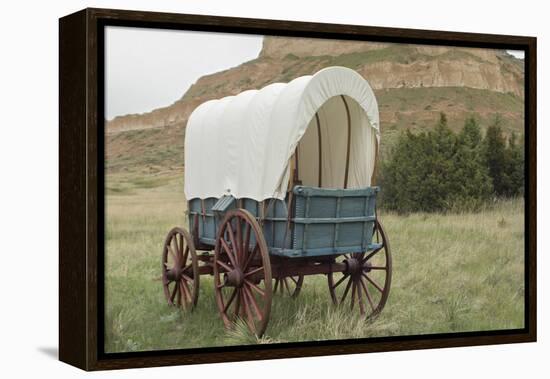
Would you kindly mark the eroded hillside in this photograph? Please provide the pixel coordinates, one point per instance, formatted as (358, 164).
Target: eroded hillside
(413, 84)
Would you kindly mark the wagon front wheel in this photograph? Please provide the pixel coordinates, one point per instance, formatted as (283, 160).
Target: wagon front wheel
(242, 272)
(365, 284)
(180, 269)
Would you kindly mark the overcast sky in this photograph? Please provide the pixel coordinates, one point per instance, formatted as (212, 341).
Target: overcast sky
(149, 68)
(517, 53)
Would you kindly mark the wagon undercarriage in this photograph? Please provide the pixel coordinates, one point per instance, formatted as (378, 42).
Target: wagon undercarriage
(280, 268)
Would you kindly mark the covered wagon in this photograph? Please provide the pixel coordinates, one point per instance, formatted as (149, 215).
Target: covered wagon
(280, 184)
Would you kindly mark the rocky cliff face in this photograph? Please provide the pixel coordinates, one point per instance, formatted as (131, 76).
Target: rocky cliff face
(387, 67)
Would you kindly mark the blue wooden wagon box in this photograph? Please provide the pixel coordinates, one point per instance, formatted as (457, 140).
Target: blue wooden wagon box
(280, 184)
(322, 221)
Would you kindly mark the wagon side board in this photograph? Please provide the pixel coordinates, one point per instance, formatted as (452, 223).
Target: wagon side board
(332, 221)
(205, 218)
(324, 221)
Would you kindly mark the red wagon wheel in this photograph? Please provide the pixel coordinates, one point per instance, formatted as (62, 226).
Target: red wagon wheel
(366, 281)
(289, 285)
(180, 269)
(242, 272)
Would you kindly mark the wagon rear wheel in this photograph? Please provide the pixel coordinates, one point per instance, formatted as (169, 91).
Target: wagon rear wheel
(180, 269)
(288, 285)
(365, 284)
(242, 272)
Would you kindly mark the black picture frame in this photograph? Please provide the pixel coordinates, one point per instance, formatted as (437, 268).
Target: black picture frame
(81, 152)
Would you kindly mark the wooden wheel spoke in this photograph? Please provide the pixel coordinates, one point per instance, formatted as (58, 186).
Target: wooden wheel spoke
(185, 256)
(232, 240)
(360, 298)
(175, 259)
(174, 292)
(377, 268)
(276, 285)
(373, 283)
(222, 264)
(187, 278)
(180, 247)
(285, 282)
(340, 281)
(174, 246)
(229, 252)
(249, 317)
(185, 292)
(239, 243)
(255, 287)
(238, 303)
(246, 244)
(371, 254)
(353, 290)
(256, 270)
(346, 291)
(179, 295)
(249, 258)
(283, 285)
(253, 303)
(231, 298)
(189, 292)
(367, 295)
(299, 283)
(176, 250)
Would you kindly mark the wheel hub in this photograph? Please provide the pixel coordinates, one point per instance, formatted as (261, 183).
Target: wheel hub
(234, 278)
(173, 274)
(353, 265)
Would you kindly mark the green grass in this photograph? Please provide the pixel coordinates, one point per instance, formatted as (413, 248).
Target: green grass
(452, 273)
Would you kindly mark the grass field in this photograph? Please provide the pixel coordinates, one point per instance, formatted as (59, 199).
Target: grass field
(451, 273)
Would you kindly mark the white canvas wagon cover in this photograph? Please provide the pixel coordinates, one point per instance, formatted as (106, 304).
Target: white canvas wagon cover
(242, 145)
